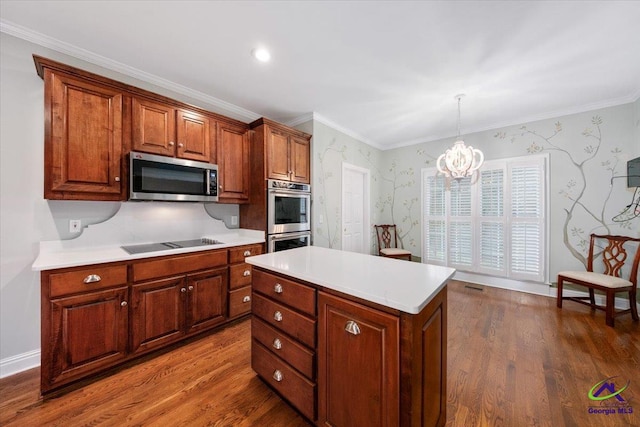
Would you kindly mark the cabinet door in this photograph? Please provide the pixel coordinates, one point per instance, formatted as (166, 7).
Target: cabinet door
(83, 140)
(153, 127)
(300, 158)
(83, 334)
(157, 313)
(194, 136)
(358, 364)
(206, 302)
(233, 163)
(278, 166)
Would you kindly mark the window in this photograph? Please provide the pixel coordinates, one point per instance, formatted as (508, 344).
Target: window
(493, 223)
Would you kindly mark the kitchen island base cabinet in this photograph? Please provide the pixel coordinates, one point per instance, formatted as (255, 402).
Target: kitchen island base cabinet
(358, 364)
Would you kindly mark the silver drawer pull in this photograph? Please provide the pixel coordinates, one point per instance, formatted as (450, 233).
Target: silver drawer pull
(246, 273)
(352, 327)
(92, 278)
(277, 344)
(190, 288)
(247, 253)
(277, 316)
(183, 290)
(246, 298)
(277, 375)
(277, 288)
(123, 304)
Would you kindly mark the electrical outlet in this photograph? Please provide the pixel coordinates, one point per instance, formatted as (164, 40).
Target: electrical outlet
(75, 226)
(234, 220)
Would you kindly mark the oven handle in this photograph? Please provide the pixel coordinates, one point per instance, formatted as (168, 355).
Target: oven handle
(289, 193)
(283, 236)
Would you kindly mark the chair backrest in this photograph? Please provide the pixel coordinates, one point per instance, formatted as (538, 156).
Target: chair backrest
(614, 255)
(387, 237)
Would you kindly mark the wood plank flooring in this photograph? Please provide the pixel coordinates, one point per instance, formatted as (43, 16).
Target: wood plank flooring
(514, 360)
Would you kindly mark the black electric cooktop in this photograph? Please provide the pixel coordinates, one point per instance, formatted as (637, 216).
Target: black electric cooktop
(165, 246)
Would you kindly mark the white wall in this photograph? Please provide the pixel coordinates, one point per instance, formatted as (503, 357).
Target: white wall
(25, 217)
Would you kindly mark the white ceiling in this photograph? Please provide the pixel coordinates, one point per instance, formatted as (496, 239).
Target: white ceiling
(383, 72)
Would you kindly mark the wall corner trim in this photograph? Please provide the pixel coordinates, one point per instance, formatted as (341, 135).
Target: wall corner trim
(18, 363)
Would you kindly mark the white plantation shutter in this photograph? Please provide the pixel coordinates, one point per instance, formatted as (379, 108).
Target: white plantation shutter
(435, 214)
(494, 224)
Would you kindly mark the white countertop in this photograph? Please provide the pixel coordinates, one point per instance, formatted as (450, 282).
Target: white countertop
(401, 285)
(54, 255)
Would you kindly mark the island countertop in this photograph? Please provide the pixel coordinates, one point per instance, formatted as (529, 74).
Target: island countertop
(401, 285)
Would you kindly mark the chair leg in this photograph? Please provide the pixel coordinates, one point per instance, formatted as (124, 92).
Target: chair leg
(559, 299)
(632, 303)
(611, 297)
(592, 299)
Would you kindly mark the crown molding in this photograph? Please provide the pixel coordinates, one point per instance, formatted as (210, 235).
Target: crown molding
(319, 118)
(35, 37)
(300, 119)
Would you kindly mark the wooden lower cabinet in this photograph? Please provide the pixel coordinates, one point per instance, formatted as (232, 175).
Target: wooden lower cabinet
(372, 366)
(82, 334)
(97, 316)
(240, 279)
(358, 364)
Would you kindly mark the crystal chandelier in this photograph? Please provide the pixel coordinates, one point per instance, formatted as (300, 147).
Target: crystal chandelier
(460, 161)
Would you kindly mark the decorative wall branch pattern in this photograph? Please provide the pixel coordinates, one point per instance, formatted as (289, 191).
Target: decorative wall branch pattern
(331, 229)
(580, 219)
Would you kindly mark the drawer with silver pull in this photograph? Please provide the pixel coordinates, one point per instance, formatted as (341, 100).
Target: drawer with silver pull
(240, 301)
(87, 279)
(240, 275)
(238, 254)
(289, 292)
(296, 355)
(293, 386)
(292, 323)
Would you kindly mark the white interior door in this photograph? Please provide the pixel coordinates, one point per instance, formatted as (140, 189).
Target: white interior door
(355, 209)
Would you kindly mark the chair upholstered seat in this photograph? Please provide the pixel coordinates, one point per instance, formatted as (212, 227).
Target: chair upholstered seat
(394, 251)
(596, 278)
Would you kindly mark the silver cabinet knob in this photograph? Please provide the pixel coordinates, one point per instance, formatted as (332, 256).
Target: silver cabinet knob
(183, 290)
(277, 316)
(123, 304)
(246, 298)
(246, 273)
(247, 253)
(117, 178)
(190, 288)
(92, 278)
(171, 143)
(180, 144)
(277, 344)
(352, 327)
(277, 375)
(278, 288)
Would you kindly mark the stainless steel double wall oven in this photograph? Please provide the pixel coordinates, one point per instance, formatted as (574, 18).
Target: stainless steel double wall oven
(288, 215)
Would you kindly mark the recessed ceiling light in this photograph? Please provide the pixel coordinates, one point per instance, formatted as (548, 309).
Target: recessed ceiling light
(261, 54)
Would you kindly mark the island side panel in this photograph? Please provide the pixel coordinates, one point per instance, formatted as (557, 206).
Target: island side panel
(423, 364)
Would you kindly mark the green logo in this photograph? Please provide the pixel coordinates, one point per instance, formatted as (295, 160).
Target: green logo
(610, 387)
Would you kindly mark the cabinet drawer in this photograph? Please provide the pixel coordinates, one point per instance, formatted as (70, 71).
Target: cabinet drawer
(286, 291)
(239, 275)
(283, 318)
(287, 349)
(237, 255)
(240, 301)
(167, 266)
(87, 279)
(298, 390)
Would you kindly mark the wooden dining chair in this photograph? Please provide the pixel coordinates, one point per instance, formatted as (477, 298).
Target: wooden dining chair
(388, 242)
(617, 263)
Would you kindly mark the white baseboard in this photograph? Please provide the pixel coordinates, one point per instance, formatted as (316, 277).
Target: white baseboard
(21, 362)
(532, 288)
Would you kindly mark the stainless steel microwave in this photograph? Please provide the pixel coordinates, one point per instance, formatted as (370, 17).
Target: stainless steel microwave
(153, 177)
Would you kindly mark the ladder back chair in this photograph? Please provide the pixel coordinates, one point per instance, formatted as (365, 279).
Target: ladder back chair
(388, 242)
(620, 275)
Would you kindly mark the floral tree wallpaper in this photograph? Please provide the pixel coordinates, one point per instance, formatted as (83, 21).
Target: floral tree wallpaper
(588, 154)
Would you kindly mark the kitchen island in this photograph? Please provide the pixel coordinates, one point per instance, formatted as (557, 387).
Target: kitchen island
(351, 339)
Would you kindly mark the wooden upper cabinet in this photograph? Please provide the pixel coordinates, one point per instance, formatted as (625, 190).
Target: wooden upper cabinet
(84, 139)
(287, 151)
(154, 127)
(233, 156)
(159, 128)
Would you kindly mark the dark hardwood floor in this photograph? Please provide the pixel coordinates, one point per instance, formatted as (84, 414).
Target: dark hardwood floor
(514, 360)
